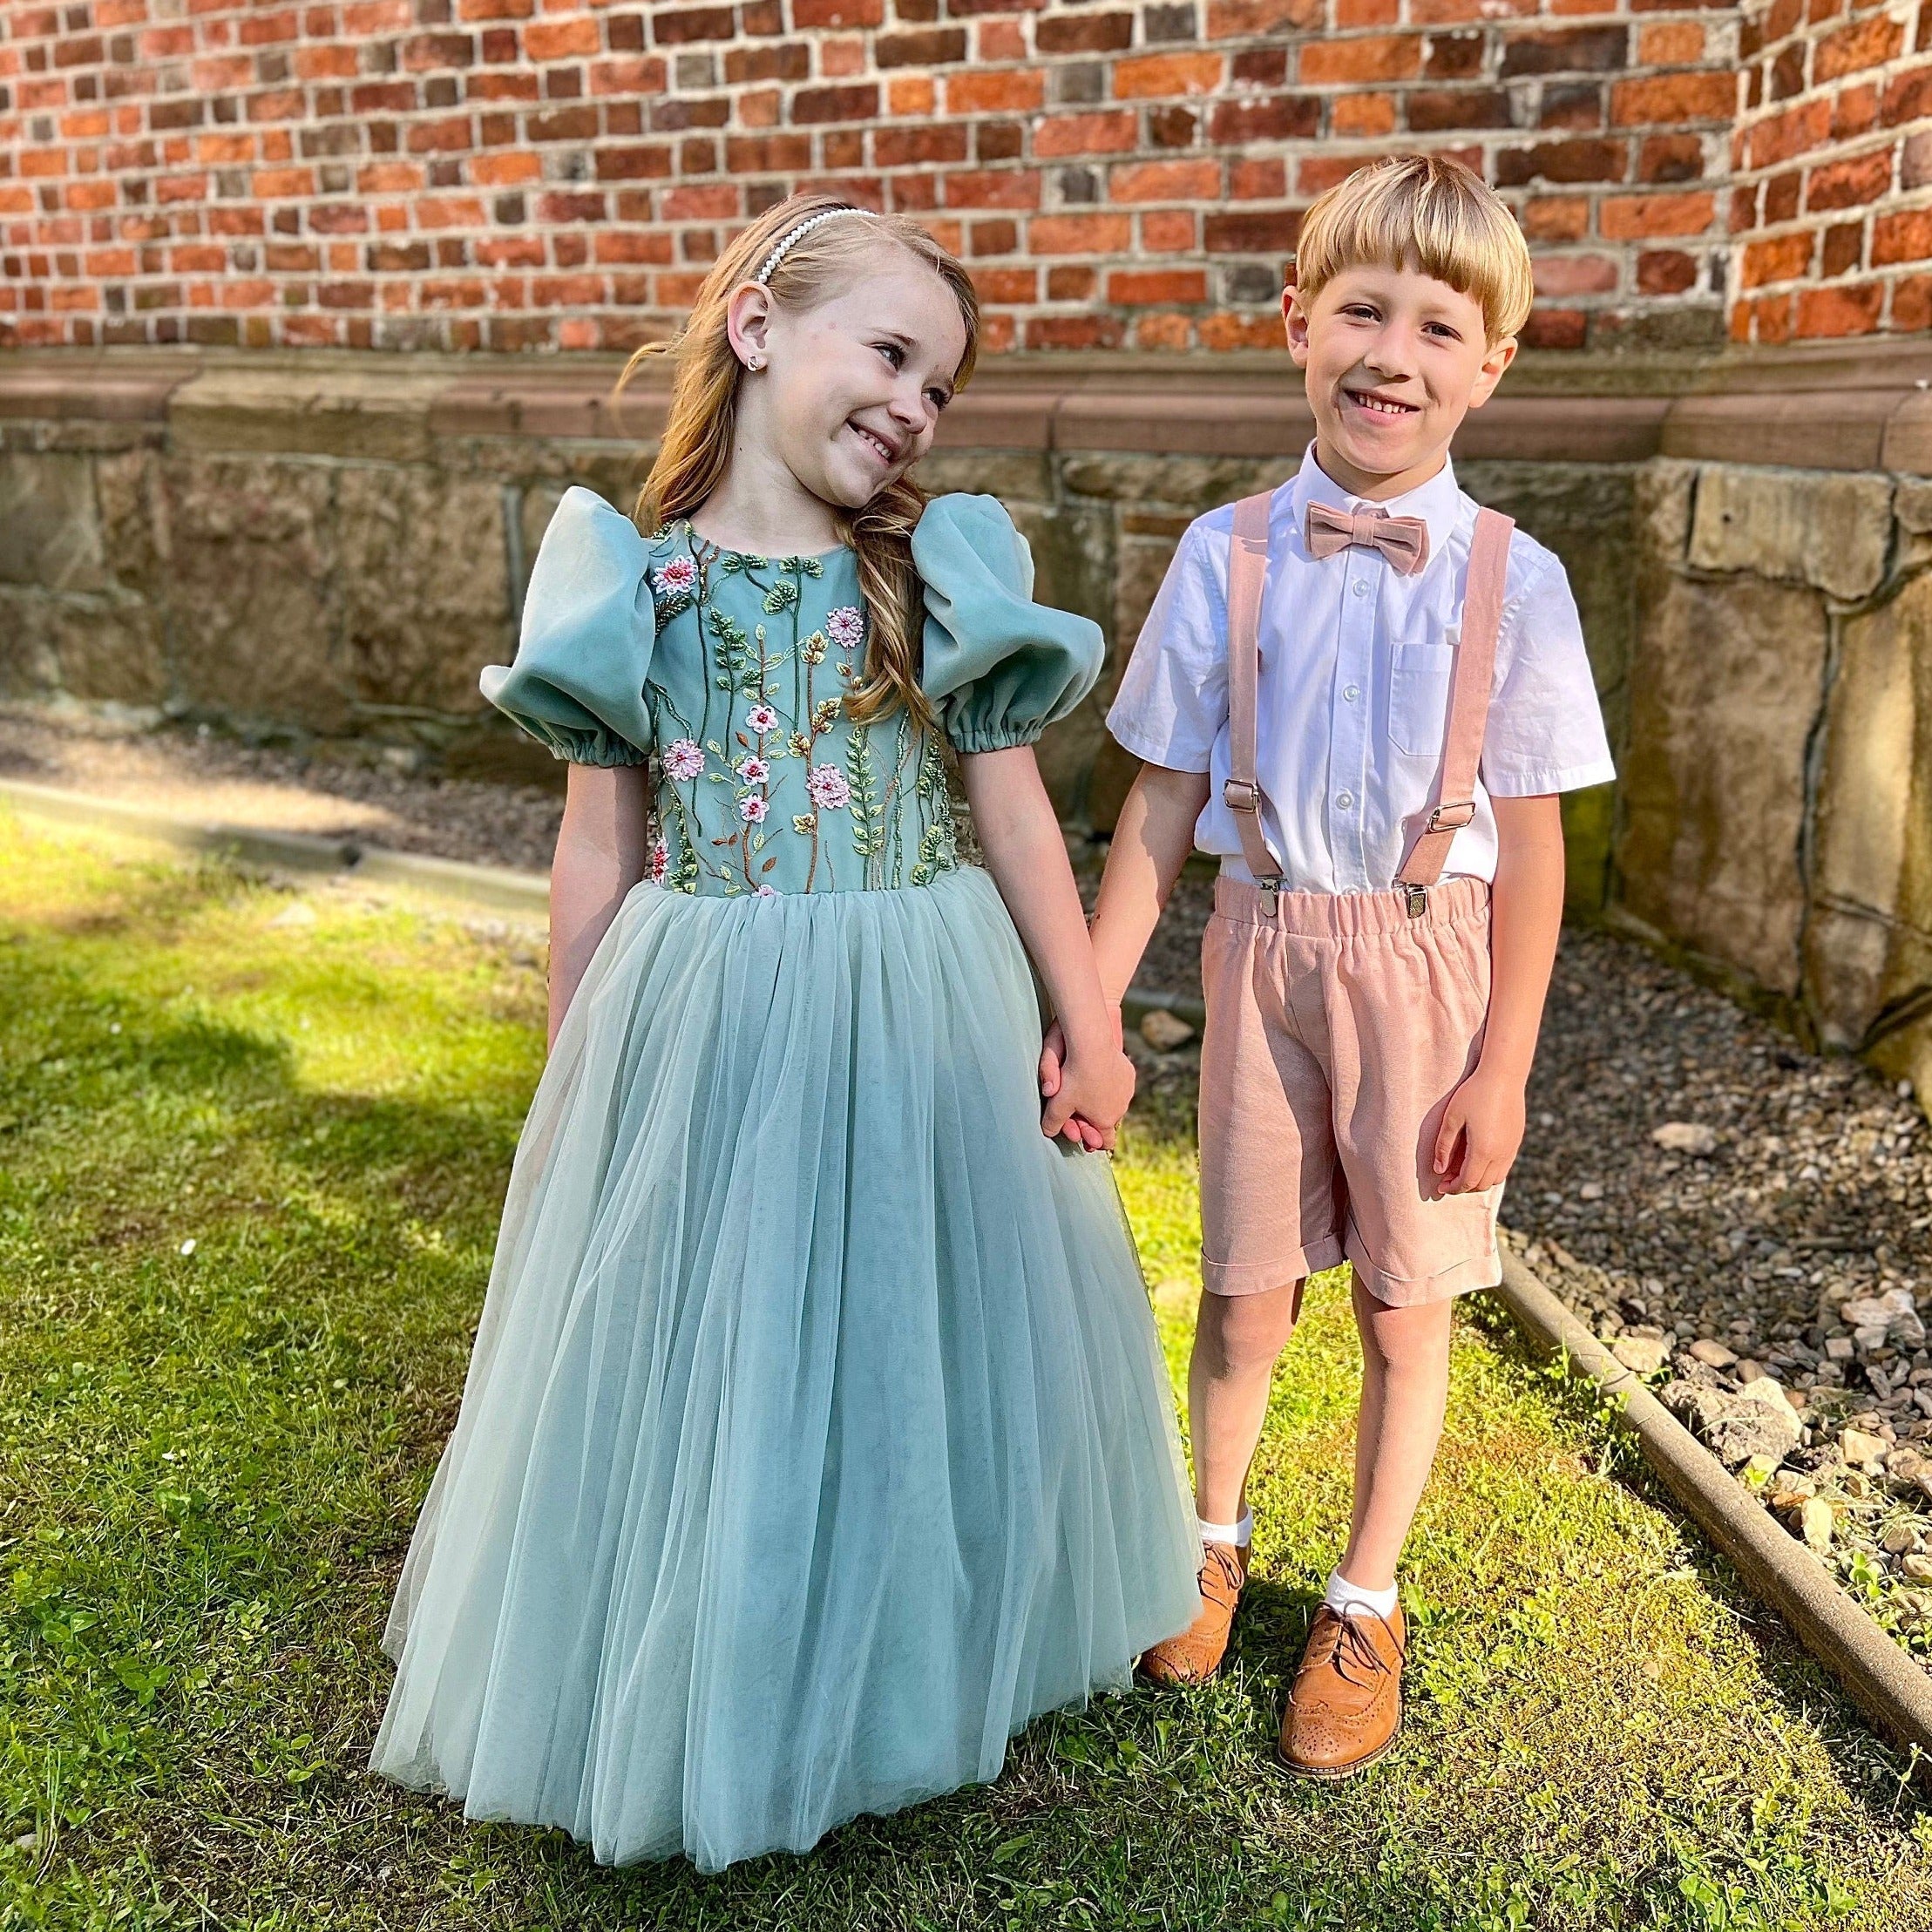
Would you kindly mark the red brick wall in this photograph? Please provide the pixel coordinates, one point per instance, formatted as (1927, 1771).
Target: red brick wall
(1833, 201)
(556, 173)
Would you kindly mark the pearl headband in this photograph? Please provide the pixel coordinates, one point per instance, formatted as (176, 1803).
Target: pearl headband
(788, 240)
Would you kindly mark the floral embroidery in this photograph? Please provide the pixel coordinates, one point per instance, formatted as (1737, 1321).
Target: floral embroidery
(836, 805)
(828, 787)
(683, 761)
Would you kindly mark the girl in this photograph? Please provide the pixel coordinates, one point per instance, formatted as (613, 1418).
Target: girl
(816, 1437)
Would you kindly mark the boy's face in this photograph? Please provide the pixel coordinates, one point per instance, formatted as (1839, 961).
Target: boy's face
(1394, 360)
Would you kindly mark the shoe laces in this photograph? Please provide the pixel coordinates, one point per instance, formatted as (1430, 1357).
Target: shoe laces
(1220, 1572)
(1348, 1650)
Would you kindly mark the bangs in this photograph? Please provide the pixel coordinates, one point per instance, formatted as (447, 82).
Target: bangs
(1427, 213)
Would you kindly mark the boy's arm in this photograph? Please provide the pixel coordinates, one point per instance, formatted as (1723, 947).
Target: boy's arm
(1151, 842)
(1526, 913)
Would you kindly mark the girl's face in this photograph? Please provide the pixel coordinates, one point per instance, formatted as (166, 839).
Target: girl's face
(847, 395)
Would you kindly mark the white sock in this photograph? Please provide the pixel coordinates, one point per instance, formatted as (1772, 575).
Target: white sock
(1239, 1533)
(1348, 1599)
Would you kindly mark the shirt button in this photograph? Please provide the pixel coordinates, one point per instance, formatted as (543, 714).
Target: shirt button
(1344, 799)
(1351, 692)
(1361, 589)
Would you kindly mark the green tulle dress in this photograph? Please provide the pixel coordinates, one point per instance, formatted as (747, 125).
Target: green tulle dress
(816, 1436)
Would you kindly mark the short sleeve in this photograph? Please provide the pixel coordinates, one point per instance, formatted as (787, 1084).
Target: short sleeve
(999, 668)
(1545, 728)
(1173, 700)
(588, 627)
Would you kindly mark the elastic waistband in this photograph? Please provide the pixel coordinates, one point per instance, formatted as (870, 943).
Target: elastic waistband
(1349, 915)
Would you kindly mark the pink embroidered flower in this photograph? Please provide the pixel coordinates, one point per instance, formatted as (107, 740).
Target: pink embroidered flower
(760, 718)
(752, 808)
(846, 626)
(661, 862)
(682, 759)
(766, 893)
(753, 771)
(677, 575)
(828, 787)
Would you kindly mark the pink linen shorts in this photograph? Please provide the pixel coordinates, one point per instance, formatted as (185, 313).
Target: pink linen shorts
(1337, 1030)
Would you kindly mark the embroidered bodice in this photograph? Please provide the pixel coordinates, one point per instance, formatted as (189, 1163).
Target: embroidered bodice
(729, 675)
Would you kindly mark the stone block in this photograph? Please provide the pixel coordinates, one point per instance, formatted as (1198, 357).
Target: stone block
(1724, 688)
(96, 646)
(1013, 476)
(133, 524)
(253, 613)
(50, 530)
(1798, 525)
(425, 591)
(279, 410)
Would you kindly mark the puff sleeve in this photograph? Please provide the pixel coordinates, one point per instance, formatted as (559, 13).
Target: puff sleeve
(998, 667)
(588, 627)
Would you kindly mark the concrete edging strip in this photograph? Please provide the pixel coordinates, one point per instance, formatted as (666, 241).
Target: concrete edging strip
(1885, 1684)
(493, 885)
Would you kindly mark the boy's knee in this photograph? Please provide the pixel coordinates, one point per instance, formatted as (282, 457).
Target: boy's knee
(1242, 1333)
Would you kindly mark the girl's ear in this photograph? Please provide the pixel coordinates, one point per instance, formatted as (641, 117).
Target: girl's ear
(747, 322)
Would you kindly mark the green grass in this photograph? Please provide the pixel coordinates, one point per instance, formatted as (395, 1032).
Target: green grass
(209, 1463)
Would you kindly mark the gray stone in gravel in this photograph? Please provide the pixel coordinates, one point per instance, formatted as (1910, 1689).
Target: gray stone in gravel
(1713, 1354)
(1641, 1354)
(1898, 1539)
(1685, 1137)
(1919, 1568)
(1815, 1523)
(1755, 1420)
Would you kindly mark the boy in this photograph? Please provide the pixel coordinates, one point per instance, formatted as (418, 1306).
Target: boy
(1385, 924)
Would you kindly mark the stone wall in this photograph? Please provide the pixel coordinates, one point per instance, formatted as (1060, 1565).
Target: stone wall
(310, 544)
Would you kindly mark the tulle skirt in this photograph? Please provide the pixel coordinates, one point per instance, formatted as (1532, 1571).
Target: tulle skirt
(816, 1436)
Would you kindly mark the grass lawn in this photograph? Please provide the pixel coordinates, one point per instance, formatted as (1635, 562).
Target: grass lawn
(250, 1165)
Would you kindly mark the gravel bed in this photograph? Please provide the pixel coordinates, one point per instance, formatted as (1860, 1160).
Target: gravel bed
(1748, 1225)
(329, 789)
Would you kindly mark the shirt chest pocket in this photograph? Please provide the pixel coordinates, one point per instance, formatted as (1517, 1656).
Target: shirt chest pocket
(1419, 697)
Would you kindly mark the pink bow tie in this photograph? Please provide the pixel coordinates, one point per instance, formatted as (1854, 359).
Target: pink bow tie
(1403, 540)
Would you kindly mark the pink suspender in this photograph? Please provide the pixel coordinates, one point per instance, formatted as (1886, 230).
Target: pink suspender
(1247, 572)
(1475, 657)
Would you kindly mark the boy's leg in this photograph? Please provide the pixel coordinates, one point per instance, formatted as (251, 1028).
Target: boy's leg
(1238, 1339)
(1404, 1386)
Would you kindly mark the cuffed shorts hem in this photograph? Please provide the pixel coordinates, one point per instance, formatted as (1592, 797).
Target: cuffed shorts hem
(1257, 1277)
(1466, 1278)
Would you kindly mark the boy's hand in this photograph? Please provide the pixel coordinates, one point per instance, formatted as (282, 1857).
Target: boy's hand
(1053, 1061)
(1092, 1091)
(1481, 1132)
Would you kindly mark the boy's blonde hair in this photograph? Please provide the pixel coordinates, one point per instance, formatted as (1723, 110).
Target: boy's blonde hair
(695, 451)
(1421, 211)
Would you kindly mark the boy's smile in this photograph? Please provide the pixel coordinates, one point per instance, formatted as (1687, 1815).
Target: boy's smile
(1394, 359)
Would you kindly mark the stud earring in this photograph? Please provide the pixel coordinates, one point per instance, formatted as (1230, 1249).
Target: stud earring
(754, 361)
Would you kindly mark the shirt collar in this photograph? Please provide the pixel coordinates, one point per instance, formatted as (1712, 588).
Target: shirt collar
(1437, 502)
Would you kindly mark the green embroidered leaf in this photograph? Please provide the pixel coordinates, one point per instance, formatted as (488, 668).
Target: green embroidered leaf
(781, 596)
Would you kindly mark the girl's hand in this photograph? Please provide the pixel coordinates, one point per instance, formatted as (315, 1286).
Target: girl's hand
(1485, 1115)
(1094, 1089)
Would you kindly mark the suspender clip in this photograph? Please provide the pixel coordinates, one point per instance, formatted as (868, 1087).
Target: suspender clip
(1270, 889)
(1452, 818)
(1416, 898)
(1240, 795)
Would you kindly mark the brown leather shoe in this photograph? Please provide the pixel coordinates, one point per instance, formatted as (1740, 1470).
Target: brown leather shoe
(1195, 1654)
(1345, 1708)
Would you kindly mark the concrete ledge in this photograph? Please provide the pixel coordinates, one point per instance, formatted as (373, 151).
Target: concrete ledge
(1846, 410)
(1886, 1684)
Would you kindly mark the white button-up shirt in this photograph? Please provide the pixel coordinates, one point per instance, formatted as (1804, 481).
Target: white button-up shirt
(1352, 704)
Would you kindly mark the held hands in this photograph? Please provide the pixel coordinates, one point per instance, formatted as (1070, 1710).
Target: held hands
(1481, 1132)
(1086, 1092)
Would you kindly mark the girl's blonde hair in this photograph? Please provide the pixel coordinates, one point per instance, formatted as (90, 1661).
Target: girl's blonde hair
(1421, 211)
(698, 434)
